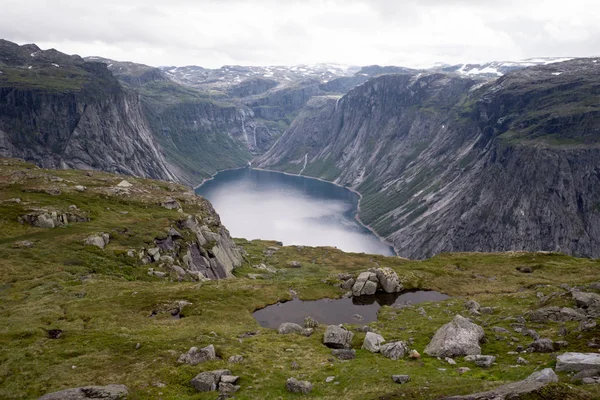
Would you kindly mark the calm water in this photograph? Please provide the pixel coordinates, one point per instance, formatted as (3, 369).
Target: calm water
(292, 209)
(339, 311)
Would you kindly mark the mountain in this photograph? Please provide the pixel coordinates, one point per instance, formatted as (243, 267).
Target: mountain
(494, 69)
(447, 163)
(61, 111)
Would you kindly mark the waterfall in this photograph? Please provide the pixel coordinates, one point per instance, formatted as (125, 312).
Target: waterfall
(305, 162)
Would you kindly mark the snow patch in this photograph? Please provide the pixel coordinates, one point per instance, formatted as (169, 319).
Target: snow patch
(55, 65)
(556, 73)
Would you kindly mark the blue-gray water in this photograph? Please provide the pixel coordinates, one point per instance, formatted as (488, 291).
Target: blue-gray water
(295, 210)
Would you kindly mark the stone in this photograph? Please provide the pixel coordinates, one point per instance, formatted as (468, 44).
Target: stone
(344, 354)
(99, 241)
(388, 280)
(373, 342)
(414, 354)
(25, 244)
(347, 284)
(547, 375)
(590, 381)
(541, 346)
(586, 373)
(309, 322)
(205, 382)
(229, 379)
(499, 329)
(196, 356)
(487, 310)
(307, 332)
(481, 361)
(80, 188)
(295, 264)
(366, 284)
(588, 302)
(401, 379)
(329, 379)
(235, 359)
(337, 337)
(472, 305)
(556, 314)
(294, 365)
(460, 337)
(293, 385)
(124, 184)
(450, 361)
(525, 270)
(394, 350)
(532, 334)
(109, 392)
(522, 361)
(577, 362)
(462, 370)
(170, 204)
(227, 388)
(289, 327)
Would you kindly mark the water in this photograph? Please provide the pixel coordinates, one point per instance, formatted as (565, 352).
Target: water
(339, 311)
(295, 210)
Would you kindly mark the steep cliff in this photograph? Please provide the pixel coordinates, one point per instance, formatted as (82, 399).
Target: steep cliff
(445, 164)
(60, 111)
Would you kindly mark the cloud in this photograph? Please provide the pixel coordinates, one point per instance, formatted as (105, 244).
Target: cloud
(212, 33)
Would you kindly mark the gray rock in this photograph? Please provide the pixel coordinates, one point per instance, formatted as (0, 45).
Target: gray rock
(589, 302)
(556, 314)
(586, 373)
(344, 354)
(109, 392)
(337, 337)
(289, 327)
(170, 204)
(99, 241)
(227, 389)
(522, 361)
(394, 350)
(348, 284)
(295, 264)
(472, 305)
(481, 361)
(460, 337)
(293, 385)
(124, 184)
(577, 362)
(79, 188)
(205, 382)
(499, 329)
(329, 379)
(196, 356)
(373, 342)
(229, 379)
(541, 346)
(532, 334)
(310, 322)
(366, 284)
(590, 381)
(388, 279)
(546, 375)
(462, 370)
(235, 359)
(401, 379)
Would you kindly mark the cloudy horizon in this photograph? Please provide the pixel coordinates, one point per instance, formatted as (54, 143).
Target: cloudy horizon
(213, 33)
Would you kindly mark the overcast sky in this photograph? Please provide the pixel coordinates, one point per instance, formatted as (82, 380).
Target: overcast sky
(212, 33)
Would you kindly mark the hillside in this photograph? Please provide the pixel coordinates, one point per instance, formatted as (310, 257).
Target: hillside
(446, 163)
(117, 290)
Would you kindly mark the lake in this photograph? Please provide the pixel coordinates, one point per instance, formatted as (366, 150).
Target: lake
(295, 210)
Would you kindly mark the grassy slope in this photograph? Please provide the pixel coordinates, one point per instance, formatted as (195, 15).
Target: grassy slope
(102, 301)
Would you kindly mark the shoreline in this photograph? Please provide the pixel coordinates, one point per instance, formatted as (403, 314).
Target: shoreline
(215, 174)
(356, 214)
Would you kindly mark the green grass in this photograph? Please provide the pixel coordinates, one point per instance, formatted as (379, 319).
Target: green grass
(103, 300)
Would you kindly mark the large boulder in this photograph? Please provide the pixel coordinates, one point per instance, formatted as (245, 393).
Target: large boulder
(366, 284)
(196, 356)
(589, 302)
(388, 280)
(459, 337)
(289, 327)
(337, 337)
(109, 392)
(394, 350)
(373, 342)
(577, 361)
(293, 385)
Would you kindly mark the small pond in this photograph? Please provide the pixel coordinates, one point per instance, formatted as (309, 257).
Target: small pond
(339, 311)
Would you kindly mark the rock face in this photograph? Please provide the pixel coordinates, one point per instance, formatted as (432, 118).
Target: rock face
(109, 392)
(578, 362)
(337, 337)
(88, 122)
(460, 337)
(432, 154)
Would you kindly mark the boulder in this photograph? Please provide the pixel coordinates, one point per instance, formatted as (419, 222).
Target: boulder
(589, 302)
(196, 356)
(227, 389)
(235, 359)
(293, 385)
(347, 284)
(229, 379)
(295, 264)
(124, 184)
(100, 240)
(472, 306)
(344, 354)
(577, 362)
(546, 375)
(366, 284)
(388, 279)
(289, 327)
(541, 346)
(310, 322)
(481, 361)
(586, 373)
(556, 314)
(204, 382)
(170, 204)
(394, 350)
(109, 392)
(337, 337)
(400, 379)
(373, 342)
(460, 337)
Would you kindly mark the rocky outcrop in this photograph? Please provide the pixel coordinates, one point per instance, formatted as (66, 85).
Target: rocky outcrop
(460, 337)
(368, 282)
(578, 362)
(432, 154)
(43, 218)
(109, 392)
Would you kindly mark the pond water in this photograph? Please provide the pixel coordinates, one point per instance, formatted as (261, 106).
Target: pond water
(295, 210)
(339, 311)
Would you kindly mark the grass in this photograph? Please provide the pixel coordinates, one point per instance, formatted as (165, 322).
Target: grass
(103, 300)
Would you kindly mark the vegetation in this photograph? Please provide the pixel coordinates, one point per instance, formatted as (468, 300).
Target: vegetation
(103, 300)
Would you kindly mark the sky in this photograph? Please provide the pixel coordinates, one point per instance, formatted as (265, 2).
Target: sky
(212, 33)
